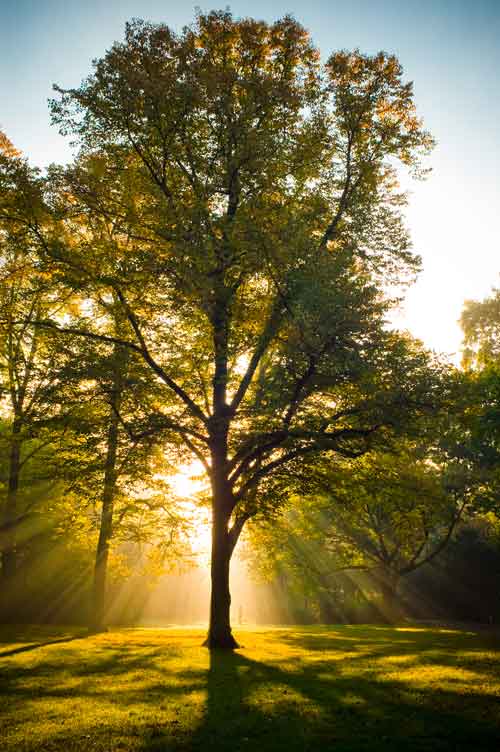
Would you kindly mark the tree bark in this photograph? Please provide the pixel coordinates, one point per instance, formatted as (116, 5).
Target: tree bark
(390, 606)
(328, 610)
(98, 603)
(223, 543)
(106, 529)
(9, 550)
(219, 631)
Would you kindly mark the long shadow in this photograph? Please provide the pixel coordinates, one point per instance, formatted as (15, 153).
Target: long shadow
(289, 703)
(37, 645)
(260, 706)
(315, 706)
(110, 677)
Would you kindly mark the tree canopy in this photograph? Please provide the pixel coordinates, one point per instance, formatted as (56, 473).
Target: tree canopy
(231, 232)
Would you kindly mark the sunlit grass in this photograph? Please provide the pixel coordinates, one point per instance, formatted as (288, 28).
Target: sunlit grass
(309, 688)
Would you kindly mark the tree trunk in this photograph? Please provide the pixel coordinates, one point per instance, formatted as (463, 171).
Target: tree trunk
(219, 630)
(389, 604)
(328, 610)
(9, 551)
(96, 623)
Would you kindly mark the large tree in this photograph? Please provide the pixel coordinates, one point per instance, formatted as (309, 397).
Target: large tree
(240, 201)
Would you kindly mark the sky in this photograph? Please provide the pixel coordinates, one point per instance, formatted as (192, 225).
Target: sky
(450, 49)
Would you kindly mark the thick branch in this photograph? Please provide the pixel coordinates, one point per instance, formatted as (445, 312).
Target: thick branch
(193, 407)
(262, 345)
(319, 442)
(329, 233)
(236, 528)
(437, 550)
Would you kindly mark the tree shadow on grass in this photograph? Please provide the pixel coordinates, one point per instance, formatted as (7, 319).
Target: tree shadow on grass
(320, 689)
(106, 697)
(317, 706)
(37, 645)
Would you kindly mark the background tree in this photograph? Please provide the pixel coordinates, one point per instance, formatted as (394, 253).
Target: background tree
(387, 514)
(462, 582)
(478, 442)
(117, 468)
(480, 321)
(30, 368)
(62, 393)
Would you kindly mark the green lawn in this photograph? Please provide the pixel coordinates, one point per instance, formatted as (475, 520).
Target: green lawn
(301, 688)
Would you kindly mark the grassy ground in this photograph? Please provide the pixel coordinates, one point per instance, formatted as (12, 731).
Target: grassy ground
(309, 688)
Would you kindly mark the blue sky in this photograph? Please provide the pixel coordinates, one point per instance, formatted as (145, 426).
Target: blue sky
(449, 48)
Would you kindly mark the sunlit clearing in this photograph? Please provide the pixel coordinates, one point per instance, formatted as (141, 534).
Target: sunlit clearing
(182, 596)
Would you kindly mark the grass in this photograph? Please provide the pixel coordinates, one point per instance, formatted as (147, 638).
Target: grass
(306, 688)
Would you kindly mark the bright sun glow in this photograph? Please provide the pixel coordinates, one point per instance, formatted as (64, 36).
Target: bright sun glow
(187, 483)
(189, 480)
